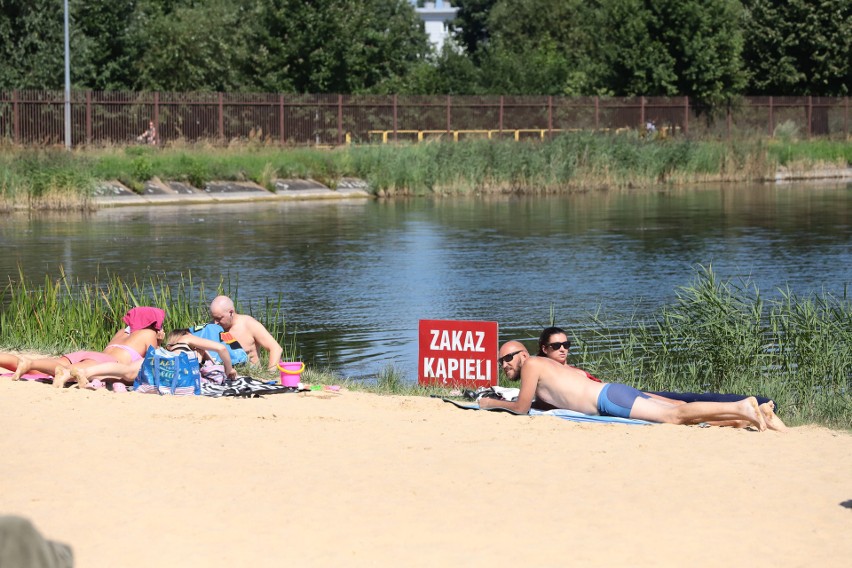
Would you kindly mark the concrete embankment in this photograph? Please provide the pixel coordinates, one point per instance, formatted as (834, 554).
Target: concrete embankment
(157, 192)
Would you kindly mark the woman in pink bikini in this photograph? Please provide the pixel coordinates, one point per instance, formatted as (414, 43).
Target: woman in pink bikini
(128, 345)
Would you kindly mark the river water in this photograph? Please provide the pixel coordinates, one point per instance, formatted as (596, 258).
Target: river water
(357, 276)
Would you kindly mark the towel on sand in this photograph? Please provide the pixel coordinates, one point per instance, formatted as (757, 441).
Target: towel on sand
(559, 413)
(144, 316)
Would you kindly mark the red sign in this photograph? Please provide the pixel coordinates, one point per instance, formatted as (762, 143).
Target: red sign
(458, 353)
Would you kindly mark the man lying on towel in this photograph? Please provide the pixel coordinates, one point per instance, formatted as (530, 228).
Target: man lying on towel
(569, 388)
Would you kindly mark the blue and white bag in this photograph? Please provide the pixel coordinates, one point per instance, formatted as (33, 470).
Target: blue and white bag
(165, 372)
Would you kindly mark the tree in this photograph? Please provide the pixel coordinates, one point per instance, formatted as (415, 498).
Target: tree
(669, 47)
(105, 51)
(340, 46)
(32, 44)
(798, 47)
(177, 53)
(471, 24)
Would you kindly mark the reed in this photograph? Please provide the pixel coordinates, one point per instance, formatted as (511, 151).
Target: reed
(569, 162)
(724, 337)
(68, 315)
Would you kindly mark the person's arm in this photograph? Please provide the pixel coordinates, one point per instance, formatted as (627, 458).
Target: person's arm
(529, 381)
(208, 345)
(264, 339)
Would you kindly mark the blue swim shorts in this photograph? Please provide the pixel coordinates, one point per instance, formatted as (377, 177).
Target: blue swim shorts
(617, 400)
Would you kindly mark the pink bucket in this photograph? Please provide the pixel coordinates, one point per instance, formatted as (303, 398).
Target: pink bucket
(291, 373)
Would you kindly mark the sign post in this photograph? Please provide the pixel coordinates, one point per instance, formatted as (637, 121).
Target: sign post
(457, 353)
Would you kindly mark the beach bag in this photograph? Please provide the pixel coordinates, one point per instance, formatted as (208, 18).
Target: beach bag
(165, 372)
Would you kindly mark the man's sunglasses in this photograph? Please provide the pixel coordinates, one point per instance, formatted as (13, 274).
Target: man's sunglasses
(557, 344)
(507, 357)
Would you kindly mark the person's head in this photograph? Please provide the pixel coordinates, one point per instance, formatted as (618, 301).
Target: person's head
(511, 357)
(151, 124)
(175, 336)
(553, 343)
(222, 311)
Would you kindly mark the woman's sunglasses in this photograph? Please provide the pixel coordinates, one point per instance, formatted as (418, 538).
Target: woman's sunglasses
(557, 344)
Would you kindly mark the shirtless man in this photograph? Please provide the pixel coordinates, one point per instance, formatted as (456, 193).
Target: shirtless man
(569, 388)
(249, 332)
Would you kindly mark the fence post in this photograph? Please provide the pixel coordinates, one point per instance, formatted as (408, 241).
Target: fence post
(501, 116)
(157, 117)
(221, 118)
(281, 118)
(394, 117)
(597, 112)
(642, 112)
(686, 116)
(771, 118)
(810, 115)
(728, 119)
(449, 106)
(88, 117)
(16, 133)
(846, 116)
(550, 116)
(339, 119)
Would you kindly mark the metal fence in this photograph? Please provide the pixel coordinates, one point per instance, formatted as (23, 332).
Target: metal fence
(100, 118)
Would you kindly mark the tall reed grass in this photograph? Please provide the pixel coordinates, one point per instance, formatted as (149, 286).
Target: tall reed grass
(569, 162)
(67, 315)
(722, 337)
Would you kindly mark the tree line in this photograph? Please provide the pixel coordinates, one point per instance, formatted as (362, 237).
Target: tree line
(710, 50)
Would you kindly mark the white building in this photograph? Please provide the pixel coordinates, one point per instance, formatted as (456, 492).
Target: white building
(437, 17)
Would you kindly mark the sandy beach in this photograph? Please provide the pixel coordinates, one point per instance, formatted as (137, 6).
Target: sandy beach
(354, 479)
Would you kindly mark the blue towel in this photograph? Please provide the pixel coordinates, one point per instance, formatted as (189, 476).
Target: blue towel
(580, 417)
(559, 413)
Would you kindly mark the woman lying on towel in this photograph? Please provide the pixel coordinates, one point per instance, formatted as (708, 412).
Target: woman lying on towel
(127, 346)
(178, 340)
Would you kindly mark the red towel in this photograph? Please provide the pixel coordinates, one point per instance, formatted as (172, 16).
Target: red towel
(144, 316)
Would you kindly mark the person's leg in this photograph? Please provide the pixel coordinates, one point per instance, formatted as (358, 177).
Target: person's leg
(697, 412)
(116, 371)
(45, 365)
(707, 397)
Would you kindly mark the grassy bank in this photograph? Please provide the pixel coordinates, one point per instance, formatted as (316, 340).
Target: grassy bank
(57, 179)
(725, 337)
(716, 337)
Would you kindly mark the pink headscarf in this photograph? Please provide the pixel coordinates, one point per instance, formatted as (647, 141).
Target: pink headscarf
(144, 316)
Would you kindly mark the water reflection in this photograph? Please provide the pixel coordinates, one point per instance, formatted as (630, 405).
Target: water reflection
(357, 276)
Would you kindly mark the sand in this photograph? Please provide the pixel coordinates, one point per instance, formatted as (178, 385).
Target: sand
(353, 479)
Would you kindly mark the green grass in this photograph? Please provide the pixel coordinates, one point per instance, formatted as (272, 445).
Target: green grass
(571, 162)
(717, 336)
(722, 337)
(67, 315)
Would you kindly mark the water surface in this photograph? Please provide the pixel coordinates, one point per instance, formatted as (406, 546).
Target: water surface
(356, 276)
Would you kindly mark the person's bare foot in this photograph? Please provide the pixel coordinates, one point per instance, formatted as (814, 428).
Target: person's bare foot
(751, 410)
(772, 420)
(61, 375)
(79, 375)
(24, 365)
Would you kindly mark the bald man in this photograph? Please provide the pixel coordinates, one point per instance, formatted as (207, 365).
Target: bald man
(249, 332)
(569, 388)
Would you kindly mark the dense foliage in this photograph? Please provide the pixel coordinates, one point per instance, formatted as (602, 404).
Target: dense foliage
(710, 50)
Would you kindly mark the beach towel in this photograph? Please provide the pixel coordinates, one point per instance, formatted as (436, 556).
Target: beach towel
(558, 413)
(143, 317)
(31, 376)
(215, 332)
(245, 387)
